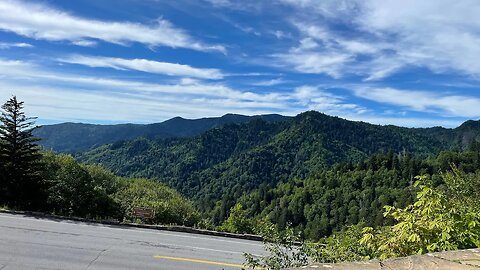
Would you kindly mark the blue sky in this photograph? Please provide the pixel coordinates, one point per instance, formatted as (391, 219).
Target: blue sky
(408, 63)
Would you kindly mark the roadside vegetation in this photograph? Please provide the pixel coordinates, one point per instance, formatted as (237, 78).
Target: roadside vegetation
(36, 180)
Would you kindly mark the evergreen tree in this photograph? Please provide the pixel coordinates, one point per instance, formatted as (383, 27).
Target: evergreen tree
(19, 157)
(3, 185)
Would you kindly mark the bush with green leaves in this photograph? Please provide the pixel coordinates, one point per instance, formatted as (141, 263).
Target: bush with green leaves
(285, 249)
(238, 221)
(342, 246)
(443, 218)
(170, 207)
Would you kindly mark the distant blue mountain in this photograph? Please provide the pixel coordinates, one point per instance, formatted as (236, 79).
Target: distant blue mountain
(75, 137)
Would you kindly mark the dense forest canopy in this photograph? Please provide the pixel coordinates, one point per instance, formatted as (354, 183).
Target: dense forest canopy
(348, 194)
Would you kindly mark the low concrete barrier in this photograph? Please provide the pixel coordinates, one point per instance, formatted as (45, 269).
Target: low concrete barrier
(172, 228)
(446, 260)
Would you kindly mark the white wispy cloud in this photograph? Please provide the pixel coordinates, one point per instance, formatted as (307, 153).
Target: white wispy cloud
(66, 97)
(271, 82)
(43, 22)
(322, 51)
(7, 45)
(315, 62)
(423, 101)
(246, 5)
(313, 98)
(428, 34)
(29, 72)
(187, 97)
(85, 43)
(279, 34)
(387, 35)
(67, 104)
(246, 29)
(220, 3)
(404, 121)
(327, 8)
(145, 65)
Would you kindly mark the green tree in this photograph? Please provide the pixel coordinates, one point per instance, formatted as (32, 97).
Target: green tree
(20, 158)
(3, 185)
(170, 207)
(238, 221)
(79, 190)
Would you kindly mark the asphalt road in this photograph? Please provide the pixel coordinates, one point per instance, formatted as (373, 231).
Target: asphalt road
(37, 243)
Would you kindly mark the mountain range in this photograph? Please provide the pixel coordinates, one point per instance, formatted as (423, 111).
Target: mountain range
(235, 158)
(76, 137)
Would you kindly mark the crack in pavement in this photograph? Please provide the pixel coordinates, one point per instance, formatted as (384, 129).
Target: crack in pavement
(150, 244)
(96, 258)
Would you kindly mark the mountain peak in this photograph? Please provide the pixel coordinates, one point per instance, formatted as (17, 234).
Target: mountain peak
(177, 118)
(233, 114)
(312, 113)
(470, 124)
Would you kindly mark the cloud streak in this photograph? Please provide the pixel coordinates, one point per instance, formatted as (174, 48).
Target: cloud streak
(145, 65)
(6, 45)
(185, 98)
(46, 23)
(423, 101)
(271, 82)
(384, 37)
(65, 97)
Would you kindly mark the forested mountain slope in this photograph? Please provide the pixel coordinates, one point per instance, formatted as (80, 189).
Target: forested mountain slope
(346, 194)
(232, 160)
(75, 137)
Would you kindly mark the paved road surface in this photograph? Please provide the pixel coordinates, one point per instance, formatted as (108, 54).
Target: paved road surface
(35, 243)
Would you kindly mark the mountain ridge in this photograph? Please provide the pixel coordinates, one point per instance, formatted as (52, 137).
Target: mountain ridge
(74, 137)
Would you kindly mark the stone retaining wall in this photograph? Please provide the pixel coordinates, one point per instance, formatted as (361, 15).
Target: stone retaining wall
(468, 259)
